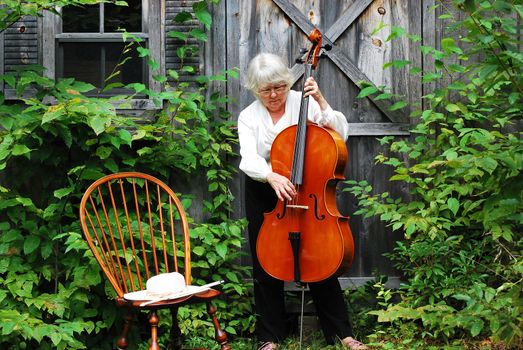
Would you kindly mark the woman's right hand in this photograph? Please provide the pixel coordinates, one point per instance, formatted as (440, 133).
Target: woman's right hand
(283, 187)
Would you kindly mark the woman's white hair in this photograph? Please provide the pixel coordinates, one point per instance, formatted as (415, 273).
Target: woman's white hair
(265, 69)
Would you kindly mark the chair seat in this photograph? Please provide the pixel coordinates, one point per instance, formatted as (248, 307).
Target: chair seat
(186, 300)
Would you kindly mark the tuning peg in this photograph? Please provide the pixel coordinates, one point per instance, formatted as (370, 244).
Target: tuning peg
(327, 47)
(300, 60)
(303, 51)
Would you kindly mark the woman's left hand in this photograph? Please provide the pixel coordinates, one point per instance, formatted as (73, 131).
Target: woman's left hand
(312, 89)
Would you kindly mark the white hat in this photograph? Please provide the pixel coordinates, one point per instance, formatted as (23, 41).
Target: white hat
(160, 286)
(165, 284)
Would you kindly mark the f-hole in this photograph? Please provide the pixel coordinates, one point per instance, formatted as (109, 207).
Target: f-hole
(282, 214)
(318, 217)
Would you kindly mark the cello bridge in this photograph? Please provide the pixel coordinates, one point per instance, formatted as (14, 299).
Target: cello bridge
(296, 206)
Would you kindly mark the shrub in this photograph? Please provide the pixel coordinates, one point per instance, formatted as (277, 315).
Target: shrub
(461, 256)
(52, 293)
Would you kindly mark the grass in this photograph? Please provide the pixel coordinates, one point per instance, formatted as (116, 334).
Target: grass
(315, 341)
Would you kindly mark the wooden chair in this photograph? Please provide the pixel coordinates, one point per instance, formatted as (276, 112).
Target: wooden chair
(136, 228)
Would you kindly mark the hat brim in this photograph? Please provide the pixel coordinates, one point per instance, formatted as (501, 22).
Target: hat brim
(144, 295)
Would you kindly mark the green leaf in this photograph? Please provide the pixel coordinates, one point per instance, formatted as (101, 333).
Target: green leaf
(221, 249)
(513, 98)
(82, 87)
(178, 35)
(398, 105)
(10, 80)
(54, 112)
(451, 107)
(125, 136)
(487, 163)
(31, 243)
(396, 64)
(198, 34)
(173, 74)
(56, 338)
(476, 328)
(453, 205)
(448, 44)
(143, 52)
(369, 90)
(202, 13)
(19, 150)
(396, 32)
(98, 123)
(111, 86)
(182, 17)
(199, 251)
(62, 192)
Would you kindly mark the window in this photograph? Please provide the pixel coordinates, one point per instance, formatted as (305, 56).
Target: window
(86, 43)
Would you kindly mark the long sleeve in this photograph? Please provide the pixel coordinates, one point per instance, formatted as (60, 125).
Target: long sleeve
(332, 119)
(252, 163)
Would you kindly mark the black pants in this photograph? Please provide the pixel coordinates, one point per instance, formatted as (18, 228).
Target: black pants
(272, 322)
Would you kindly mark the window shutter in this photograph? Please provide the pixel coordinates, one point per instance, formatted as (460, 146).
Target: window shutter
(21, 44)
(172, 61)
(20, 48)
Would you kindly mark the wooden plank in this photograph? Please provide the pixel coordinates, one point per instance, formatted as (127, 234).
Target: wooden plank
(415, 87)
(155, 43)
(379, 129)
(15, 44)
(372, 238)
(339, 58)
(233, 33)
(49, 30)
(31, 53)
(98, 37)
(17, 49)
(21, 30)
(24, 25)
(354, 74)
(163, 34)
(347, 18)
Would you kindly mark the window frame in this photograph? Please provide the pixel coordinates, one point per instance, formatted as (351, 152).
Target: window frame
(153, 19)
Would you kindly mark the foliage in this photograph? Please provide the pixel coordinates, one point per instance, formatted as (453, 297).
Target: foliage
(52, 293)
(461, 256)
(372, 296)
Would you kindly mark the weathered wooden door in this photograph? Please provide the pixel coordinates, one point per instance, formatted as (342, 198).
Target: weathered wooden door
(358, 54)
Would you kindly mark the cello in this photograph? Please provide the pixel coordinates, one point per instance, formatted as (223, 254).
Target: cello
(307, 239)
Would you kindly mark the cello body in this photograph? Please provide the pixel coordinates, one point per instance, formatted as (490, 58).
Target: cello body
(326, 245)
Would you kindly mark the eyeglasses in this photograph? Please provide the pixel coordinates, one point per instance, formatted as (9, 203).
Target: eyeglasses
(276, 89)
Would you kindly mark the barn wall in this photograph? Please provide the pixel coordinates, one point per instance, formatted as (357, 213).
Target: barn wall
(243, 28)
(279, 26)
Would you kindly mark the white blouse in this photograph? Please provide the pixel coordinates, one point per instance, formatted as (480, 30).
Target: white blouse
(256, 131)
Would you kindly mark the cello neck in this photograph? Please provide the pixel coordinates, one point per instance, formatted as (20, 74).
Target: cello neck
(301, 132)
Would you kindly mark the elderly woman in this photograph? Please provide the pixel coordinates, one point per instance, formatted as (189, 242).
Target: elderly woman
(277, 107)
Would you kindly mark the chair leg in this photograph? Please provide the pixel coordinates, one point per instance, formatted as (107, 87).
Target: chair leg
(219, 334)
(153, 321)
(176, 334)
(122, 342)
